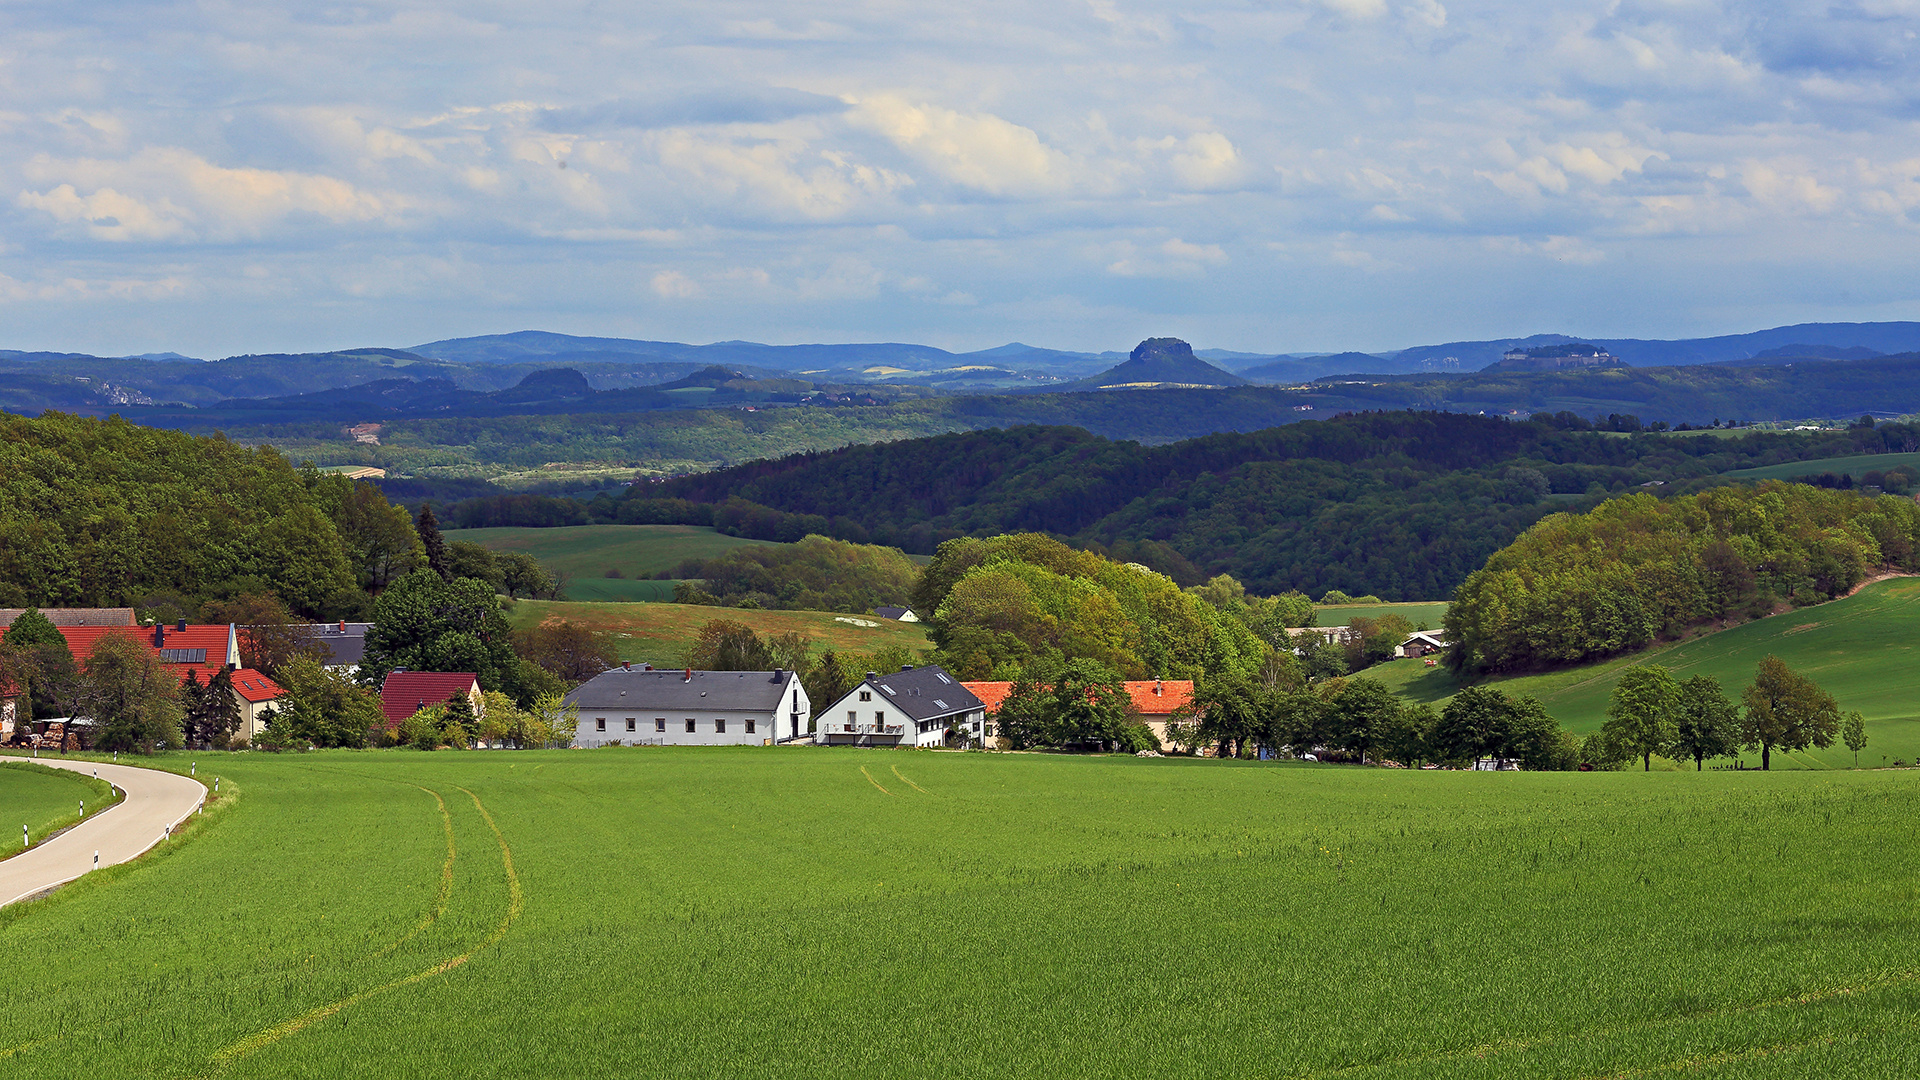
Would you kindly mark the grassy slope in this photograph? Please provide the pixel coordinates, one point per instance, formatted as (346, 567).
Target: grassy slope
(775, 913)
(43, 799)
(587, 552)
(1860, 649)
(1416, 613)
(661, 633)
(1855, 465)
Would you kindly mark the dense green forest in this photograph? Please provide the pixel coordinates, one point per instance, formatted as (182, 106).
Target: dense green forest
(1633, 570)
(107, 513)
(1399, 504)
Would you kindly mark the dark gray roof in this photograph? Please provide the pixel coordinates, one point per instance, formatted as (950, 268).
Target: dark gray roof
(892, 612)
(925, 693)
(673, 691)
(342, 649)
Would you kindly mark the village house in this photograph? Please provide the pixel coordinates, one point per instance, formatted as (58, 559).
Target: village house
(183, 648)
(404, 693)
(1421, 643)
(911, 707)
(897, 614)
(1155, 700)
(1338, 635)
(345, 644)
(629, 706)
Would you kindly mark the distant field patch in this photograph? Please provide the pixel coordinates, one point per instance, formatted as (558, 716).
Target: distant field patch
(1415, 613)
(660, 633)
(1852, 466)
(587, 552)
(1864, 650)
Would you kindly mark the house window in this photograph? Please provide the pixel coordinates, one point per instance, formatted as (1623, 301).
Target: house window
(880, 717)
(750, 727)
(689, 727)
(851, 719)
(659, 723)
(719, 727)
(866, 695)
(629, 723)
(600, 723)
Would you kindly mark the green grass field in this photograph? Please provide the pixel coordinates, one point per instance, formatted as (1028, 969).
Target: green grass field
(1854, 466)
(587, 552)
(1861, 649)
(806, 912)
(661, 633)
(1415, 613)
(43, 800)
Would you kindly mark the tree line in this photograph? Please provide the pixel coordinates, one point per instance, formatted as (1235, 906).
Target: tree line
(1650, 712)
(1634, 570)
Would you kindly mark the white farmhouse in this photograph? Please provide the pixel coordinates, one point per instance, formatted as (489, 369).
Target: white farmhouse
(643, 707)
(911, 707)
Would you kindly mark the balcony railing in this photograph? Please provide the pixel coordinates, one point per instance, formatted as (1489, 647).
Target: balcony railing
(869, 729)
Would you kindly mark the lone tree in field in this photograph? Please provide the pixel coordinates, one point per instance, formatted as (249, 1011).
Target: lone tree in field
(1786, 710)
(1708, 724)
(1642, 712)
(1854, 732)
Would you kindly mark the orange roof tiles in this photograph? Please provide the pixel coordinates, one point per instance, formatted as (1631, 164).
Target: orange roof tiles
(1153, 697)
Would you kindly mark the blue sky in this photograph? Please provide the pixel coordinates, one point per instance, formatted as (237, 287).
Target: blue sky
(221, 177)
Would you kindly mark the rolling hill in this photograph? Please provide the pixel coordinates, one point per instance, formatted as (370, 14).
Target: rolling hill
(1861, 649)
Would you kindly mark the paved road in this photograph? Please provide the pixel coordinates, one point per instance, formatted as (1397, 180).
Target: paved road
(155, 802)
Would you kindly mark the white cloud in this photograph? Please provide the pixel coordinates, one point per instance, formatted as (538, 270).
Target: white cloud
(980, 151)
(167, 193)
(674, 285)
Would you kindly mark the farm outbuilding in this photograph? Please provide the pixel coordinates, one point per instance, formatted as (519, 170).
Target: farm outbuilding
(639, 706)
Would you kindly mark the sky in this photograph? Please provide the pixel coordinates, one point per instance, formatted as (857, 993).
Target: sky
(218, 178)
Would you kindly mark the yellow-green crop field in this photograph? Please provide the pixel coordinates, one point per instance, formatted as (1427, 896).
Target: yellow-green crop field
(786, 912)
(661, 633)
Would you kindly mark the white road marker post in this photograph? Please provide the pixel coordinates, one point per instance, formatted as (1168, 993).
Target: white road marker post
(26, 838)
(193, 768)
(96, 860)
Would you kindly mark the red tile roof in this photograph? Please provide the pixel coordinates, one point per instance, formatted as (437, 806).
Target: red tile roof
(1153, 697)
(216, 639)
(255, 687)
(404, 691)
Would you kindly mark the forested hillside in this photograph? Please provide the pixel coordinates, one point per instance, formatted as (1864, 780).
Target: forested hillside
(1634, 570)
(107, 513)
(1403, 504)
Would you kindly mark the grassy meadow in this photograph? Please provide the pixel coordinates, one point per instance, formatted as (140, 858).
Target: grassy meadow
(808, 912)
(1415, 613)
(661, 633)
(587, 552)
(1854, 466)
(43, 799)
(1861, 649)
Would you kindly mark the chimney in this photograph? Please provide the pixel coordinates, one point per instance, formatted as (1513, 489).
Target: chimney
(776, 674)
(688, 677)
(1156, 687)
(159, 635)
(646, 667)
(181, 628)
(626, 665)
(872, 675)
(906, 667)
(343, 626)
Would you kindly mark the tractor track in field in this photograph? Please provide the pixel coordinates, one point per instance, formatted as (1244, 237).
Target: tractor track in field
(909, 783)
(260, 1040)
(445, 892)
(871, 780)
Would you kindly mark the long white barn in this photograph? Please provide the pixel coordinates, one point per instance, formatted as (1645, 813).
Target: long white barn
(640, 706)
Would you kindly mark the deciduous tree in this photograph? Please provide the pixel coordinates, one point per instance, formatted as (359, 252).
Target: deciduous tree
(1642, 712)
(1787, 710)
(1854, 731)
(1706, 723)
(133, 699)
